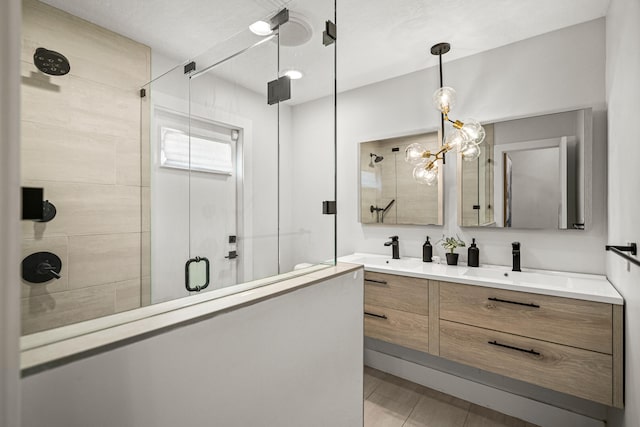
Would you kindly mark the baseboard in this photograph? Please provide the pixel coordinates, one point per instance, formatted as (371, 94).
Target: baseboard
(530, 410)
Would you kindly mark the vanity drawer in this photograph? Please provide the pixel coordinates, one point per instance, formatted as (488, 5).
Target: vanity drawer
(577, 323)
(397, 292)
(570, 370)
(399, 327)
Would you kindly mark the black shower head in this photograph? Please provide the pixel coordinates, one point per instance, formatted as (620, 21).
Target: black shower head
(376, 158)
(50, 62)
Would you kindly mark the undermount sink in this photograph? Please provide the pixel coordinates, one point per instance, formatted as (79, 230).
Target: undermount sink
(520, 277)
(381, 261)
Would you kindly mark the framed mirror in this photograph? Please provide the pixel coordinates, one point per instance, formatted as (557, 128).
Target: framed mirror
(388, 192)
(532, 173)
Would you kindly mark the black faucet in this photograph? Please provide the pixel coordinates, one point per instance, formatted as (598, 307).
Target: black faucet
(395, 246)
(516, 256)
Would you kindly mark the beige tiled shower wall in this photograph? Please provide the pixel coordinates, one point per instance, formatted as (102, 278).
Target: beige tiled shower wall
(81, 142)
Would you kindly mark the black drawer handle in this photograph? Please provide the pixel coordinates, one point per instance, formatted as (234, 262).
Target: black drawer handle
(514, 348)
(379, 316)
(526, 304)
(382, 282)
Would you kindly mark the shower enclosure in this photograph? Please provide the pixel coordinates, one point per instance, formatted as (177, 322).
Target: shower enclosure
(228, 200)
(166, 175)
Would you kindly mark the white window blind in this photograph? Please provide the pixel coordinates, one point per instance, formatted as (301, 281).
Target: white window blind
(207, 154)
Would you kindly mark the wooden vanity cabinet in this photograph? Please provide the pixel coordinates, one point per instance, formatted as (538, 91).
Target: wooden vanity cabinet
(568, 345)
(396, 309)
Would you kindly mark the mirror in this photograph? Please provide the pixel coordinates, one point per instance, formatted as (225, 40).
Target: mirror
(531, 173)
(388, 192)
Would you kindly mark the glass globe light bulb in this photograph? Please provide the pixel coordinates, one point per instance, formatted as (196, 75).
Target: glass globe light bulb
(422, 175)
(456, 139)
(413, 153)
(474, 131)
(471, 152)
(444, 99)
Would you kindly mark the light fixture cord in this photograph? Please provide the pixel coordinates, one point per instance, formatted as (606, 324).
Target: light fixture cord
(441, 113)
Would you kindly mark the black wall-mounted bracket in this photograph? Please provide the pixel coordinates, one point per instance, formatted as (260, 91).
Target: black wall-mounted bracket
(143, 93)
(330, 34)
(279, 18)
(232, 255)
(329, 207)
(191, 66)
(187, 284)
(632, 248)
(278, 90)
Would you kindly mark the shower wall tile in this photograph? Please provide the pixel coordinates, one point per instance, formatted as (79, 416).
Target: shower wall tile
(127, 295)
(56, 245)
(145, 140)
(146, 208)
(54, 153)
(145, 291)
(127, 162)
(108, 258)
(80, 105)
(62, 308)
(145, 260)
(88, 209)
(81, 142)
(94, 52)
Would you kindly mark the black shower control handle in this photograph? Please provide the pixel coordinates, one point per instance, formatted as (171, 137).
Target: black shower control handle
(46, 268)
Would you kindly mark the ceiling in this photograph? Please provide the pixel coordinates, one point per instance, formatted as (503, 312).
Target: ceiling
(377, 39)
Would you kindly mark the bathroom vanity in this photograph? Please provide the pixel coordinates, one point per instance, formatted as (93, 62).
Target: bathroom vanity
(561, 331)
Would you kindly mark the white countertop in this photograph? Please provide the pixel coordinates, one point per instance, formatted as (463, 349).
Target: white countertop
(589, 287)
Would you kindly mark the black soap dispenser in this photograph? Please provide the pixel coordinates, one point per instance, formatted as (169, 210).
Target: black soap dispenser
(427, 251)
(473, 255)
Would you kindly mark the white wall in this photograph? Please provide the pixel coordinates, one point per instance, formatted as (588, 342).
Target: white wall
(623, 87)
(522, 79)
(10, 42)
(281, 362)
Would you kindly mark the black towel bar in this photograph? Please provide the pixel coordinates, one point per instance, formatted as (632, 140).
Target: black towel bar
(620, 250)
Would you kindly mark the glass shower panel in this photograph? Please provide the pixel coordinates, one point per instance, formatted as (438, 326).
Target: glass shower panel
(233, 185)
(166, 244)
(307, 137)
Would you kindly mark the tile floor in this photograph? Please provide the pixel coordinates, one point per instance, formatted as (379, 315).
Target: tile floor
(390, 401)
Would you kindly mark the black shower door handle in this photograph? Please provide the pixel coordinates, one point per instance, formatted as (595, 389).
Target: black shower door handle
(186, 274)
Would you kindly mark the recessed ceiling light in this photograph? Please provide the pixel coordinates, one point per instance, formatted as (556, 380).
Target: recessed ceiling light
(261, 28)
(293, 74)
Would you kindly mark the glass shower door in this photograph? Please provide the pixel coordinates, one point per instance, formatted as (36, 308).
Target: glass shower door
(233, 141)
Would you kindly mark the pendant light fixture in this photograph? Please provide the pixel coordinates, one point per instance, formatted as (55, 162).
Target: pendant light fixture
(465, 137)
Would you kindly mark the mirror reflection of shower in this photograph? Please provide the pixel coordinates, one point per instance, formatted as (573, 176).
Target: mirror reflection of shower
(381, 212)
(374, 159)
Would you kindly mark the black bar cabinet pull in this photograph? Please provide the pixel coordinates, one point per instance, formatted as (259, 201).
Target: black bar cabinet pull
(620, 250)
(526, 304)
(379, 316)
(382, 282)
(514, 348)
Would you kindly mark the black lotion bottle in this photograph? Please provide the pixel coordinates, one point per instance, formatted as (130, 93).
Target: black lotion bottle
(473, 255)
(427, 251)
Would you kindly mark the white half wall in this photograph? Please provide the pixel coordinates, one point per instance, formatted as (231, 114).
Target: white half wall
(623, 87)
(522, 79)
(10, 236)
(292, 360)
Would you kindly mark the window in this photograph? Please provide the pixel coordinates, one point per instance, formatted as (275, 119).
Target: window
(207, 154)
